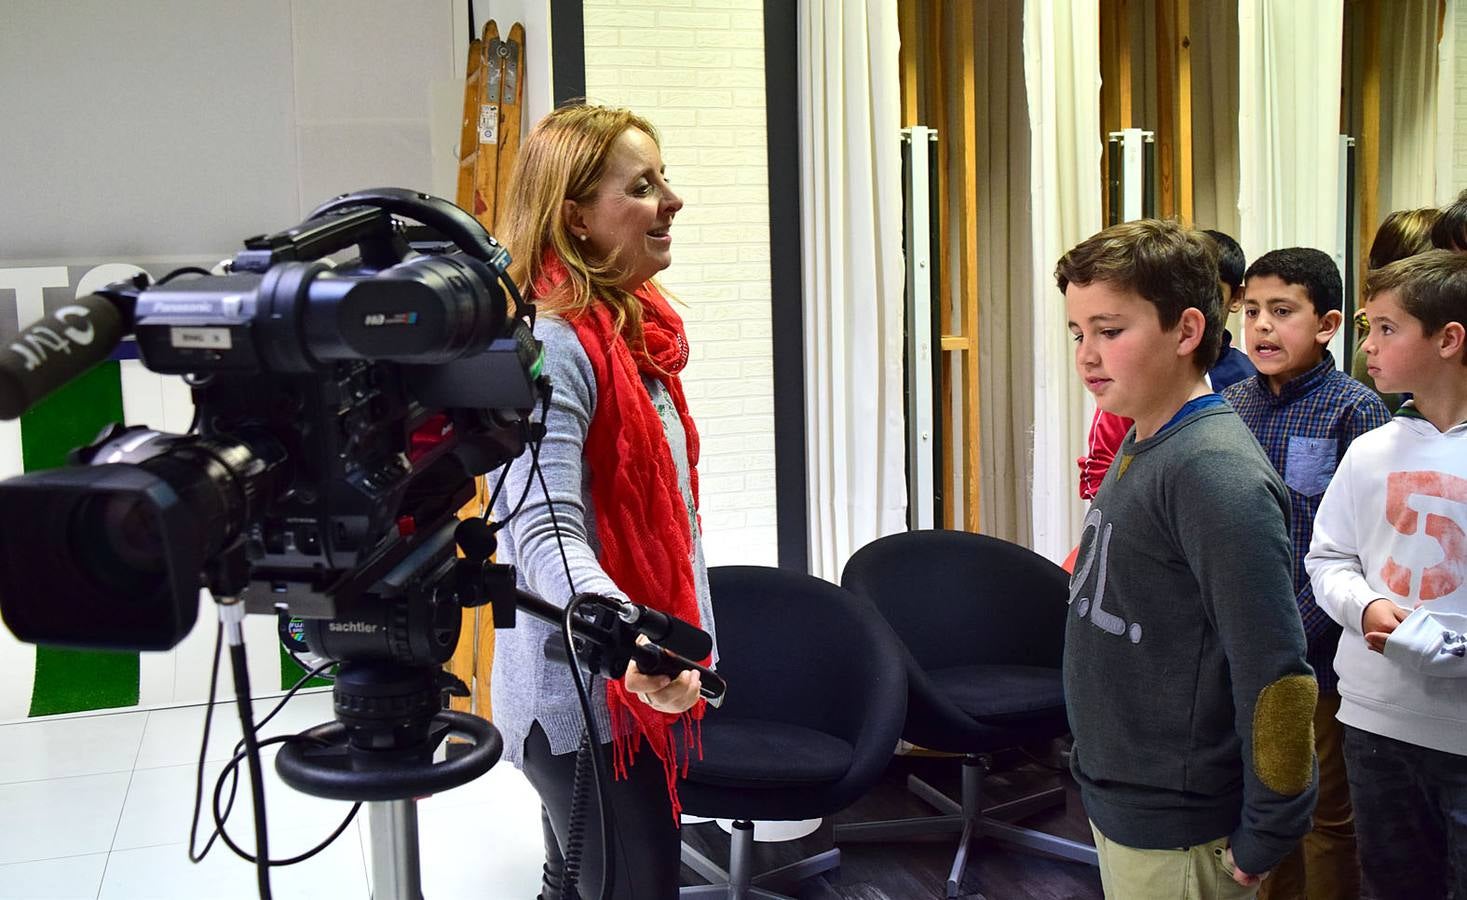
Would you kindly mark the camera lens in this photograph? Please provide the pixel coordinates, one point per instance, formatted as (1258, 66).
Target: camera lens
(119, 541)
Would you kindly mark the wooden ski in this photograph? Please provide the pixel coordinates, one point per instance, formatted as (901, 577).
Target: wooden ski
(512, 93)
(489, 140)
(468, 141)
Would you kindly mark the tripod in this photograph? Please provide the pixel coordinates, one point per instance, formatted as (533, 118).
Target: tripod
(379, 750)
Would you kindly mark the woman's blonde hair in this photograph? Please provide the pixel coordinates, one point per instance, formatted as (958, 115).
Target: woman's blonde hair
(564, 158)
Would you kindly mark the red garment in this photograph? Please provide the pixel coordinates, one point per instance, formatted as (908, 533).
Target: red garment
(1107, 430)
(641, 518)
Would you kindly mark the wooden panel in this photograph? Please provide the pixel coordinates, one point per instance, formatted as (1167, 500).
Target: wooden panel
(1123, 60)
(1166, 109)
(909, 31)
(1111, 30)
(966, 37)
(938, 25)
(1183, 21)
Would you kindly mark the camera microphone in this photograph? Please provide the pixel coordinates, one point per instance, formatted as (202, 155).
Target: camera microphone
(671, 632)
(56, 349)
(475, 538)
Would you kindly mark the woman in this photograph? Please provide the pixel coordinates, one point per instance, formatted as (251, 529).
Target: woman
(590, 212)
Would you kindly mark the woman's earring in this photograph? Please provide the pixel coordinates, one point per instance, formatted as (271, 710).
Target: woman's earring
(581, 236)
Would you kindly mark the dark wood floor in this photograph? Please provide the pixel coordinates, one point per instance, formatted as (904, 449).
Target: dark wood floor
(917, 870)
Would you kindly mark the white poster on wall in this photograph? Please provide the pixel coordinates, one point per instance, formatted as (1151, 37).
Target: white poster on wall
(162, 402)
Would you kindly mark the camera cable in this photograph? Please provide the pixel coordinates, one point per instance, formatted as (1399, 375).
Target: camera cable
(590, 744)
(231, 769)
(231, 618)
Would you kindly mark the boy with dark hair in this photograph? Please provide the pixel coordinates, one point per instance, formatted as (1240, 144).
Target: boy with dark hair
(1231, 365)
(1389, 564)
(1185, 680)
(1449, 231)
(1305, 413)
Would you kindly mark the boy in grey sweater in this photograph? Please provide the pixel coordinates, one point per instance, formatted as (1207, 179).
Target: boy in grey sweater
(1188, 693)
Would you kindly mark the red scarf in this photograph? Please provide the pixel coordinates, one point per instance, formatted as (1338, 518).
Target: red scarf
(641, 518)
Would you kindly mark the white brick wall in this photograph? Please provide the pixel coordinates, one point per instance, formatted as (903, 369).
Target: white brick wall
(695, 68)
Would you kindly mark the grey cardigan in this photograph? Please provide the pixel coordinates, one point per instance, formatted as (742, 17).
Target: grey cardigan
(527, 687)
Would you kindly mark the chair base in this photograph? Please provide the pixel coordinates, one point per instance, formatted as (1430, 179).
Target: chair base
(970, 820)
(738, 882)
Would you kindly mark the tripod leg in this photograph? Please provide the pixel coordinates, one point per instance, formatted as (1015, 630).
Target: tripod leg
(394, 828)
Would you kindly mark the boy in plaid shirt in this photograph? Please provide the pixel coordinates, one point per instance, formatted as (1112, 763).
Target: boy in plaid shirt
(1305, 412)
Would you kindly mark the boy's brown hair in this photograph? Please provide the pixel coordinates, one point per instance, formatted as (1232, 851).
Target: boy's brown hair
(1172, 266)
(1405, 232)
(1432, 287)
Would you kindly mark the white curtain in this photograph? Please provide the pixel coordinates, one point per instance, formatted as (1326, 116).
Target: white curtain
(1408, 101)
(1062, 79)
(1006, 281)
(1289, 57)
(1448, 94)
(851, 212)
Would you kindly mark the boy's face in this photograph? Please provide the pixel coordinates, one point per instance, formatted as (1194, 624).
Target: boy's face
(1131, 365)
(1232, 297)
(1398, 351)
(1283, 334)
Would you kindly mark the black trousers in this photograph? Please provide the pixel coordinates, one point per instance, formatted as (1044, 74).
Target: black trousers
(646, 842)
(1410, 817)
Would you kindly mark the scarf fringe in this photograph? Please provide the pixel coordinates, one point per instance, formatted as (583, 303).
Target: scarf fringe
(628, 732)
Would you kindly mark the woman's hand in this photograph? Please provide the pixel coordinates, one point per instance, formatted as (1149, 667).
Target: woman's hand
(664, 694)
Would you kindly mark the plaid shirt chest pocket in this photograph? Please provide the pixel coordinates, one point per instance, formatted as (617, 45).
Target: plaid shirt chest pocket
(1310, 464)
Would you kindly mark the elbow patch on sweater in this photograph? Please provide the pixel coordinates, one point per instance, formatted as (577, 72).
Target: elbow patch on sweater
(1283, 734)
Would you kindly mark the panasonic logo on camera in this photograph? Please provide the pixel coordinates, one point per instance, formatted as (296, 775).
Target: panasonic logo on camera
(352, 627)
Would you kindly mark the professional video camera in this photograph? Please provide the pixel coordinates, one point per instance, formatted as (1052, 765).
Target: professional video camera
(342, 412)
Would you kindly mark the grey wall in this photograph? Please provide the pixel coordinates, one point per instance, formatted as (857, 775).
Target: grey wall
(158, 128)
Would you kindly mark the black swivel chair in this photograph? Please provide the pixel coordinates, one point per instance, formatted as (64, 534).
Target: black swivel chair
(816, 699)
(982, 621)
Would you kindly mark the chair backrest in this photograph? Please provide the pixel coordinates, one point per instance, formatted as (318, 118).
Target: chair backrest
(957, 598)
(801, 650)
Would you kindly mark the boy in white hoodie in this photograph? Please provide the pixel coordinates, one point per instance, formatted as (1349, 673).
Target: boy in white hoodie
(1389, 563)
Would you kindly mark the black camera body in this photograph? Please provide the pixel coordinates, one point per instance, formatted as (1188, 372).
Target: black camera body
(342, 411)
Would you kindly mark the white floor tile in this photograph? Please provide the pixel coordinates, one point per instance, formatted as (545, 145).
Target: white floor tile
(483, 844)
(172, 736)
(60, 816)
(478, 852)
(164, 872)
(502, 785)
(160, 805)
(62, 748)
(69, 878)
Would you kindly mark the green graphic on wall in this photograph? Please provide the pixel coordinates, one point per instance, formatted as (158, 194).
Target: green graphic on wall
(75, 680)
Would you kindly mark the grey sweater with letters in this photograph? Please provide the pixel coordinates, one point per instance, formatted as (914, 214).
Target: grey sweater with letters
(527, 687)
(1188, 693)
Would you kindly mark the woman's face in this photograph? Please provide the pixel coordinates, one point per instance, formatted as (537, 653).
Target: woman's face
(631, 214)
